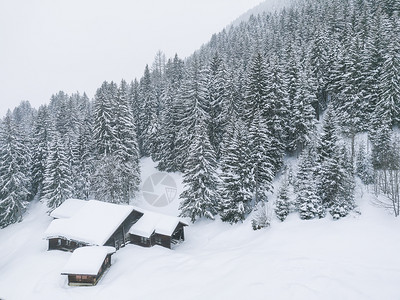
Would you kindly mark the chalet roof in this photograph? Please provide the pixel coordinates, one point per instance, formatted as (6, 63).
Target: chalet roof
(68, 208)
(87, 260)
(94, 223)
(153, 222)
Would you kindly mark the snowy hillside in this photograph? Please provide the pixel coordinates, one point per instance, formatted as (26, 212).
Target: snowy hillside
(353, 258)
(265, 6)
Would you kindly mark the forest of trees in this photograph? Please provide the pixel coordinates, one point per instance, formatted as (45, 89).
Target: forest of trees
(297, 83)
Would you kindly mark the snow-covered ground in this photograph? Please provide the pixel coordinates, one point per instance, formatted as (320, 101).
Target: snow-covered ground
(354, 258)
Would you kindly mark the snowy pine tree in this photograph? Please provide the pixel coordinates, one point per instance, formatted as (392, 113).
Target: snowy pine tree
(260, 217)
(14, 179)
(103, 129)
(40, 149)
(85, 152)
(127, 152)
(57, 178)
(364, 167)
(235, 189)
(282, 204)
(200, 197)
(309, 204)
(344, 201)
(216, 93)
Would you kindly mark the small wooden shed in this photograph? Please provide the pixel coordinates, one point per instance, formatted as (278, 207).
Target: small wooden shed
(87, 265)
(156, 229)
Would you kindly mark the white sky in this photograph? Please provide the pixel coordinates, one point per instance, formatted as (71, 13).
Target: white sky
(74, 45)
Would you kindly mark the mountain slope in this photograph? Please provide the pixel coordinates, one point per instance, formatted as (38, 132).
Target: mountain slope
(266, 6)
(354, 258)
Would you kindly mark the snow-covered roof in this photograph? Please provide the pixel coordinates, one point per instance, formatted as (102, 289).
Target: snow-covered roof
(68, 208)
(153, 222)
(87, 260)
(93, 224)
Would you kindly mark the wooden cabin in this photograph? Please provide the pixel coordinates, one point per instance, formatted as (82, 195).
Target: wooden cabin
(87, 265)
(96, 223)
(94, 230)
(156, 229)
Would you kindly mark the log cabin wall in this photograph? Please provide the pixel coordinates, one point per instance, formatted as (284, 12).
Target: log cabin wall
(81, 279)
(141, 241)
(64, 244)
(162, 240)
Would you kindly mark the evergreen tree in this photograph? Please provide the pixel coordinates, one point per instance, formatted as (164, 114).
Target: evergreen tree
(236, 195)
(274, 111)
(40, 149)
(308, 202)
(381, 144)
(260, 158)
(57, 180)
(216, 96)
(85, 152)
(194, 108)
(301, 124)
(261, 140)
(364, 167)
(256, 88)
(168, 132)
(200, 198)
(148, 113)
(14, 181)
(335, 174)
(134, 101)
(282, 204)
(389, 98)
(127, 151)
(260, 217)
(107, 183)
(170, 116)
(103, 129)
(344, 201)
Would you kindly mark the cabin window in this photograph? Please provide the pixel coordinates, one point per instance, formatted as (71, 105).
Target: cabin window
(67, 242)
(84, 277)
(158, 241)
(59, 242)
(143, 240)
(78, 277)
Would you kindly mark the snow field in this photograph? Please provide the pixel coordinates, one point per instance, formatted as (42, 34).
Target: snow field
(354, 258)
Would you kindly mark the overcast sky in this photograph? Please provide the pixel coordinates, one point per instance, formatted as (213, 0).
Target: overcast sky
(74, 45)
